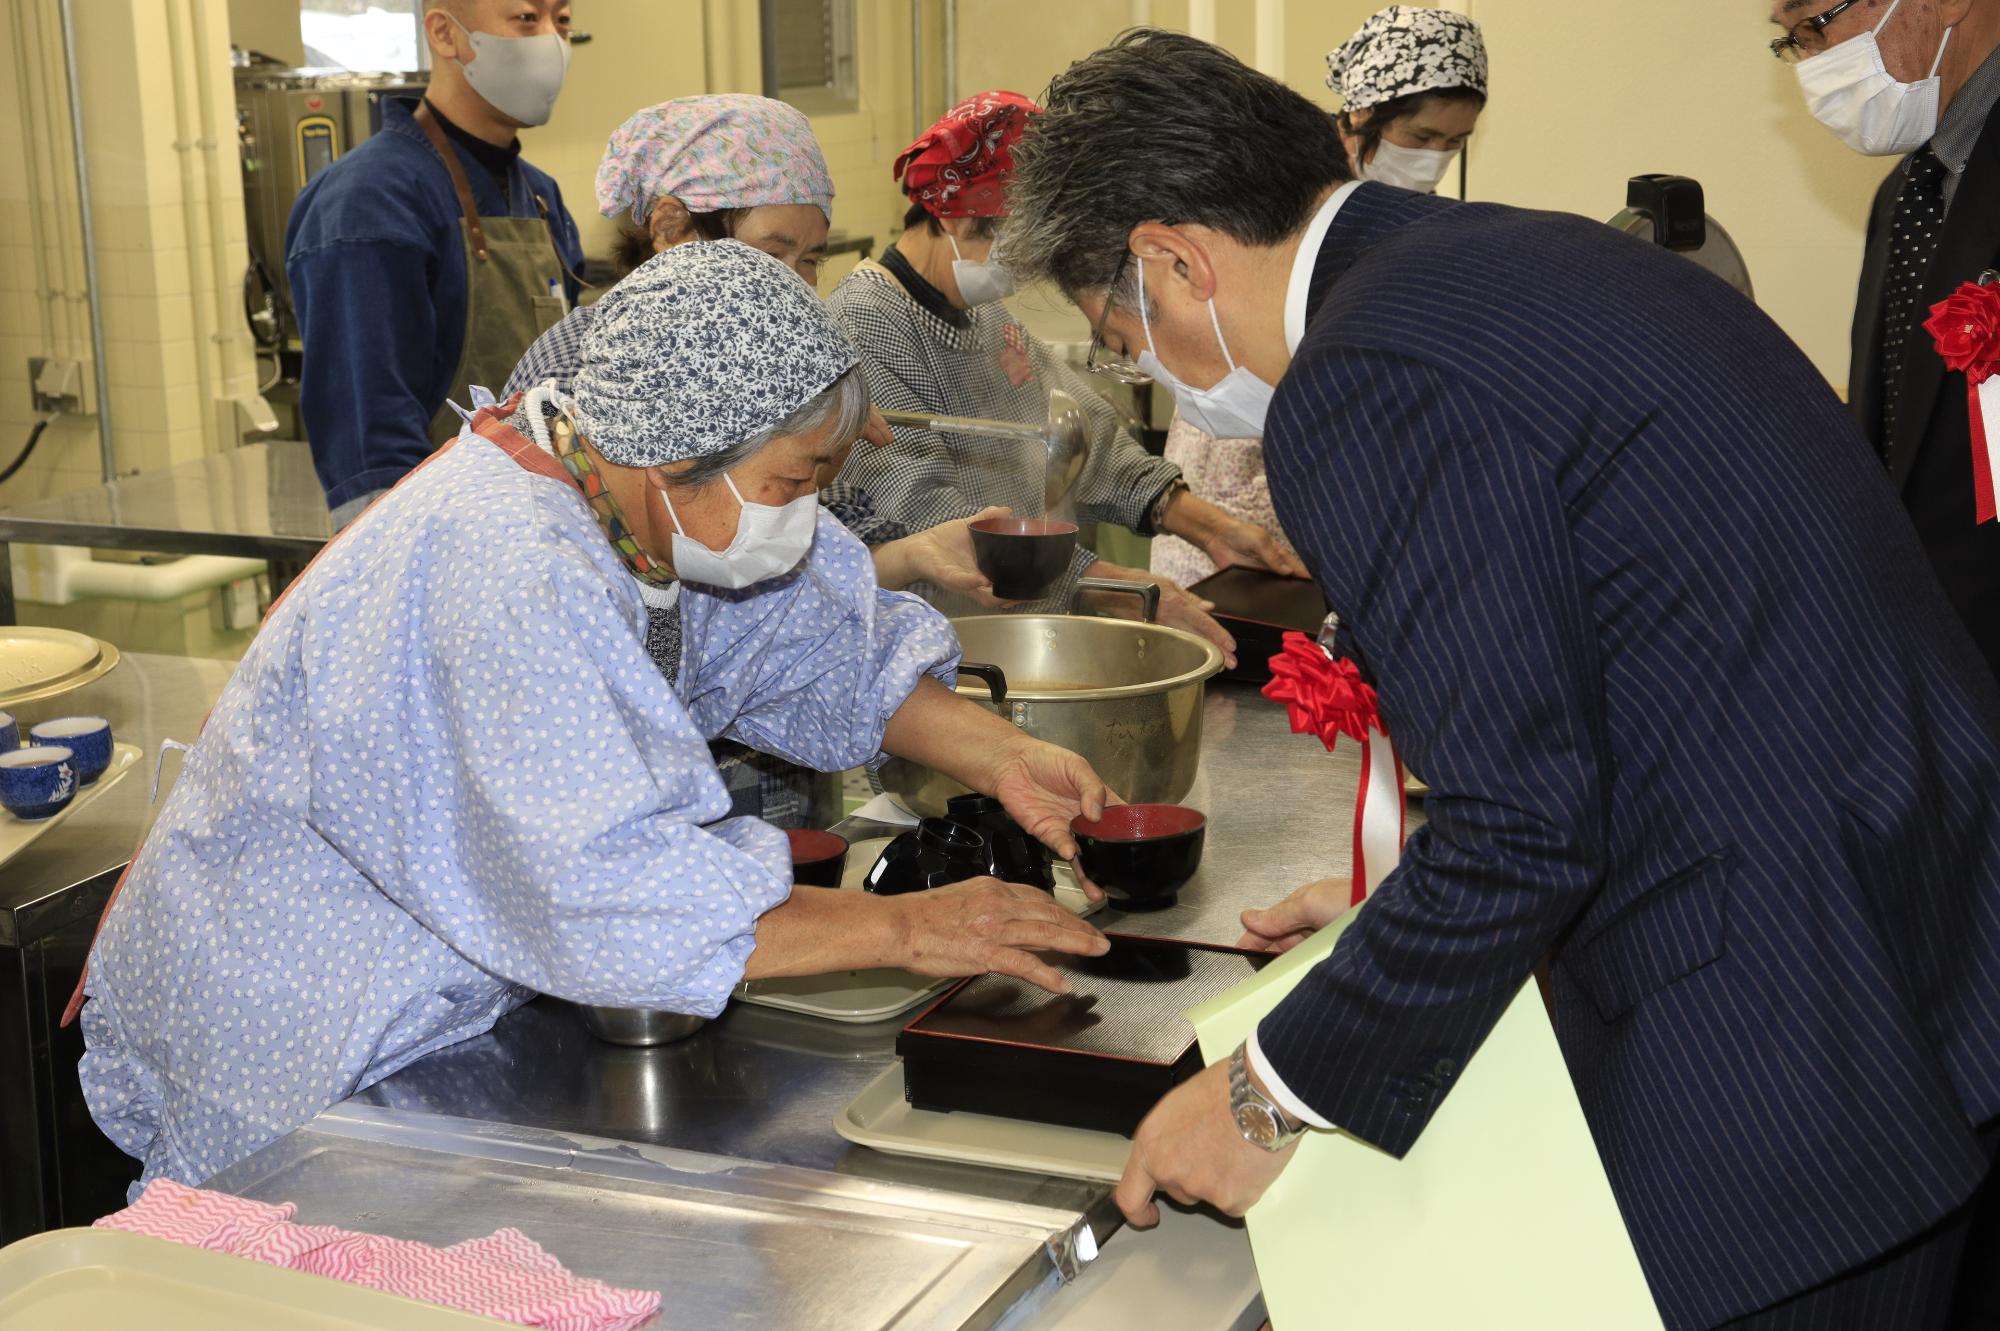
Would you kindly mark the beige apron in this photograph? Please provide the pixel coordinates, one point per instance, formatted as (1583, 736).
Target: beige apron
(513, 288)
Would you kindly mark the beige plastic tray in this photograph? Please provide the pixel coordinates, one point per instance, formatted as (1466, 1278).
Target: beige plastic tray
(881, 1117)
(874, 995)
(16, 835)
(86, 1279)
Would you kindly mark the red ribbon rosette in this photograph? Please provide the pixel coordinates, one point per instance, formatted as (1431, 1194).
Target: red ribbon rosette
(1322, 696)
(1965, 328)
(1328, 698)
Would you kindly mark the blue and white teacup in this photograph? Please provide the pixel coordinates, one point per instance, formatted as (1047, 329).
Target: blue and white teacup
(37, 782)
(10, 733)
(88, 737)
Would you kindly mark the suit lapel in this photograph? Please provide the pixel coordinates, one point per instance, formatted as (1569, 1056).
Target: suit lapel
(1971, 238)
(1864, 378)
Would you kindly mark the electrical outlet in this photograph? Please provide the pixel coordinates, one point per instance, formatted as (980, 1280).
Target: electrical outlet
(57, 384)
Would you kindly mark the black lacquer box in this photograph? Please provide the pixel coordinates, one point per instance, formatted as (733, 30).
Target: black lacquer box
(1098, 1057)
(1258, 609)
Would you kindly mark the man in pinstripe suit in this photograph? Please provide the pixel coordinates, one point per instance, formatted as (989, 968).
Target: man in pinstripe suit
(1699, 723)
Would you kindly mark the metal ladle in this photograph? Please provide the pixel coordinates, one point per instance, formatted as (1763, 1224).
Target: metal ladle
(1063, 436)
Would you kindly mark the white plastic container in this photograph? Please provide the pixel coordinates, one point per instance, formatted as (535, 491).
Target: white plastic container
(72, 1279)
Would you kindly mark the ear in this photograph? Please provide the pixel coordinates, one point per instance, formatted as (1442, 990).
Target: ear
(1173, 255)
(670, 223)
(448, 42)
(1951, 13)
(1350, 132)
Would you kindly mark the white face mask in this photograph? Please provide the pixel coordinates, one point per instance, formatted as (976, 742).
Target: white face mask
(1233, 409)
(1418, 169)
(770, 541)
(518, 76)
(1851, 92)
(981, 282)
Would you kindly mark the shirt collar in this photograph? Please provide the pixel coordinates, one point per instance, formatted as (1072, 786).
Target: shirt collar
(1304, 261)
(495, 157)
(1959, 129)
(921, 290)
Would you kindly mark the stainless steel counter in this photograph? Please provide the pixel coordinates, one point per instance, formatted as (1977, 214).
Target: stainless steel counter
(260, 501)
(146, 699)
(55, 1167)
(763, 1086)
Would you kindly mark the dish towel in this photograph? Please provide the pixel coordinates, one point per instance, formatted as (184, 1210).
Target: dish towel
(505, 1275)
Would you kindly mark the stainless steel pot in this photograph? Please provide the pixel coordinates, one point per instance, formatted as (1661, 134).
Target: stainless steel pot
(638, 1026)
(1125, 695)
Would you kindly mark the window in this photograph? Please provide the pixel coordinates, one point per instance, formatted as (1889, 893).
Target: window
(815, 41)
(368, 35)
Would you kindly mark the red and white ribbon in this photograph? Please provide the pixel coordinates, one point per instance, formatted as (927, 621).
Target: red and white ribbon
(1983, 405)
(1965, 328)
(1379, 812)
(1328, 698)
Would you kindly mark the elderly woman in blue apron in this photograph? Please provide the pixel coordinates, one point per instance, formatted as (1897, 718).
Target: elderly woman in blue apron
(726, 166)
(449, 775)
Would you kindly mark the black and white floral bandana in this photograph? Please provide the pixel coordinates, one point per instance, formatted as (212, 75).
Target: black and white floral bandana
(1407, 49)
(702, 347)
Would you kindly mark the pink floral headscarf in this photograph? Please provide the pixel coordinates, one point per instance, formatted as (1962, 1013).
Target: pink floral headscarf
(729, 150)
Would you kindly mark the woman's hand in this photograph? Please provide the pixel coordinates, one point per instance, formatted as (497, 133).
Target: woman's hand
(876, 431)
(941, 556)
(1043, 787)
(983, 924)
(1282, 927)
(1179, 607)
(1182, 609)
(1237, 542)
(1227, 539)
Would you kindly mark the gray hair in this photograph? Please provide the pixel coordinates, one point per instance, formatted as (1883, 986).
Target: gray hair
(1161, 127)
(841, 405)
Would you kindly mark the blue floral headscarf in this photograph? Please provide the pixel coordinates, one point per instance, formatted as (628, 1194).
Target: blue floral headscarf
(702, 347)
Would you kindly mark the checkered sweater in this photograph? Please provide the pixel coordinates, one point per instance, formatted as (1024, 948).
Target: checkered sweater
(918, 361)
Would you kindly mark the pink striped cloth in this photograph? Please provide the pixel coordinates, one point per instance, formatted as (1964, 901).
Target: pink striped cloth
(505, 1275)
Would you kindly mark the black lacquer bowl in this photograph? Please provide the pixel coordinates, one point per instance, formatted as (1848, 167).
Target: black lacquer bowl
(1141, 854)
(1013, 855)
(937, 852)
(1022, 556)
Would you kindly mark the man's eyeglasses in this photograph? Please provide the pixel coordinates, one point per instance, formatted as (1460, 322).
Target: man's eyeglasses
(1807, 37)
(1102, 360)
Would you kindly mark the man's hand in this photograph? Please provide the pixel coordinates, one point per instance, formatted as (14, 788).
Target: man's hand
(1189, 1148)
(1282, 927)
(983, 924)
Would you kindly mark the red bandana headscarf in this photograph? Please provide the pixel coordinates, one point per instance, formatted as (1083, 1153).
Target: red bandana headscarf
(959, 166)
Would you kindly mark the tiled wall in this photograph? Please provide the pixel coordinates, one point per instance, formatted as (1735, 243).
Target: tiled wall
(41, 308)
(175, 338)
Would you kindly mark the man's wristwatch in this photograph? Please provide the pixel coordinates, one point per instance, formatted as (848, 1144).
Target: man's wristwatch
(1262, 1121)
